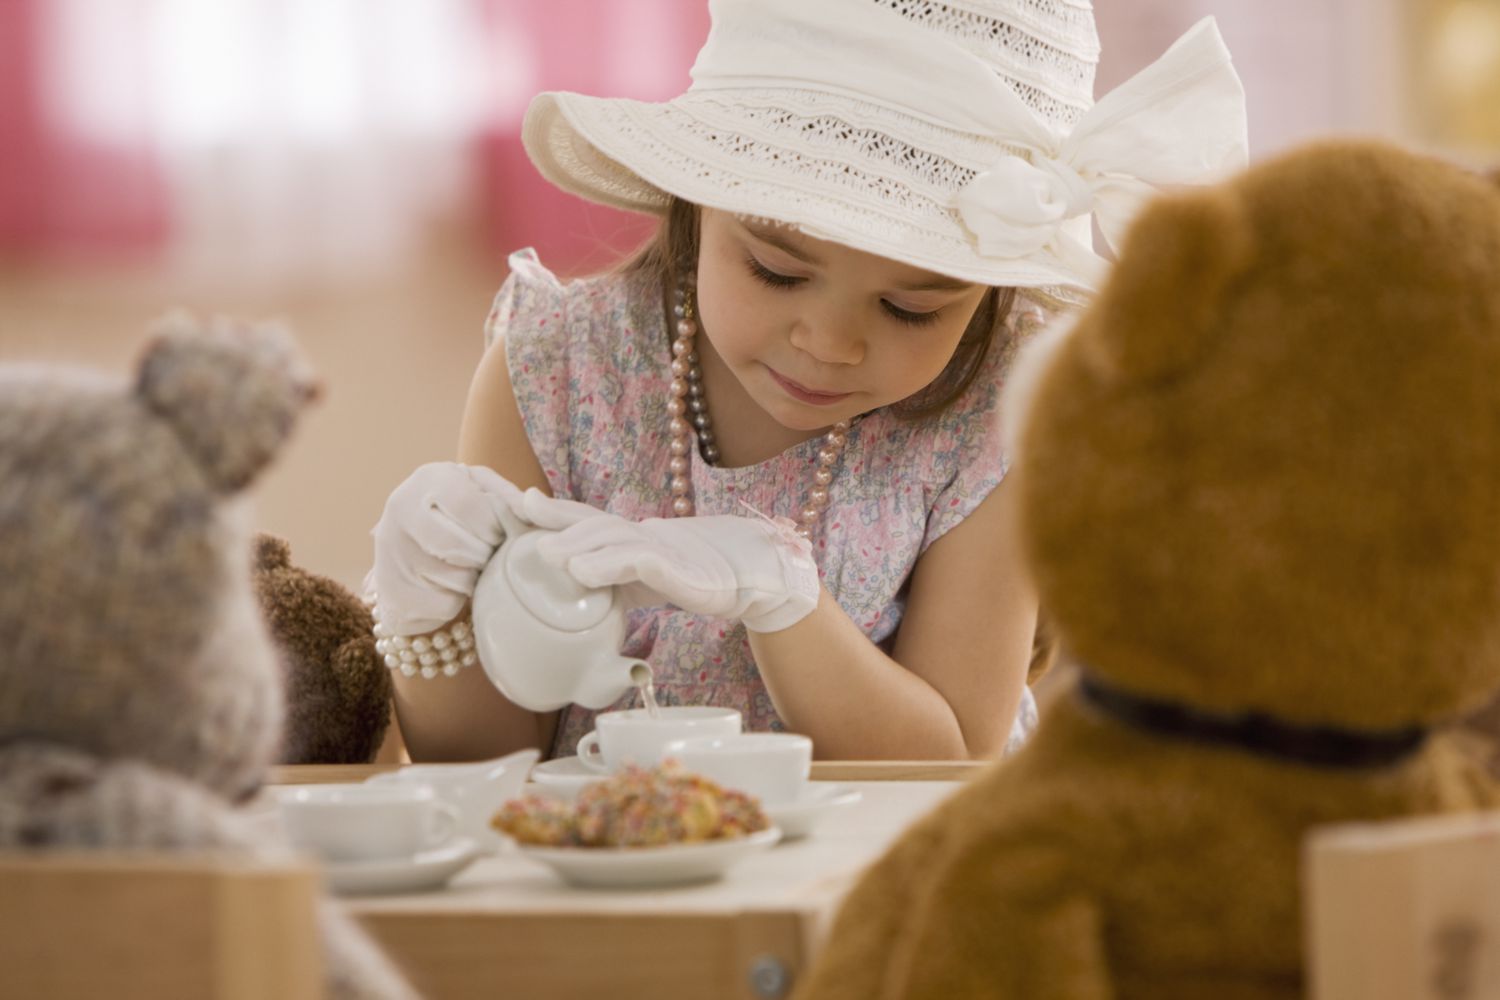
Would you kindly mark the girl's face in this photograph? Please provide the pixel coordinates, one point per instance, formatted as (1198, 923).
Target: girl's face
(817, 332)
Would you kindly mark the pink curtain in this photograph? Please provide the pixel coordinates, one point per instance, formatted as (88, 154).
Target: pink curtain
(103, 152)
(61, 193)
(1309, 69)
(639, 49)
(330, 135)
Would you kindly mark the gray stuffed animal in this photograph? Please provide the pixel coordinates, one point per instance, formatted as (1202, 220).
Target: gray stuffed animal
(140, 694)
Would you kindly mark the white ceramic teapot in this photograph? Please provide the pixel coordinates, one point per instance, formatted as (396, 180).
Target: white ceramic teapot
(544, 639)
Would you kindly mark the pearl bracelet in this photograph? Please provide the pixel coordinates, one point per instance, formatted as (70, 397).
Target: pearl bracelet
(444, 651)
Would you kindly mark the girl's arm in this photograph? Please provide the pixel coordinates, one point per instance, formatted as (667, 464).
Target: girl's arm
(464, 717)
(953, 684)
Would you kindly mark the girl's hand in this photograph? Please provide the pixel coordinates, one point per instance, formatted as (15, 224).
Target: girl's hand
(439, 529)
(757, 570)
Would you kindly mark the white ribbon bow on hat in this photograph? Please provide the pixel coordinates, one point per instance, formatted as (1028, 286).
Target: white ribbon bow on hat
(1181, 120)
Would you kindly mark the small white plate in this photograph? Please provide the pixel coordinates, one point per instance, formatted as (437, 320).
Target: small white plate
(428, 870)
(565, 772)
(797, 819)
(648, 867)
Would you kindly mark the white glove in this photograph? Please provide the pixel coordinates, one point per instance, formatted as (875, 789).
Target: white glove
(753, 569)
(439, 529)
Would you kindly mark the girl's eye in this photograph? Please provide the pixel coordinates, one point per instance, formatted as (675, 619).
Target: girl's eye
(769, 277)
(907, 316)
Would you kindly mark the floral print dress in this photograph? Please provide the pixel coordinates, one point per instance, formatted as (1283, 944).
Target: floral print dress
(589, 364)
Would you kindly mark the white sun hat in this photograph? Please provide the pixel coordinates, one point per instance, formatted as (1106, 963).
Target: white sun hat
(957, 136)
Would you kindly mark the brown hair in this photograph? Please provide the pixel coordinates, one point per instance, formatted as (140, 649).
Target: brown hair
(674, 248)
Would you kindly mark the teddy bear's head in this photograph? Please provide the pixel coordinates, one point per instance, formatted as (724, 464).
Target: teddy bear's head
(1261, 472)
(129, 626)
(338, 690)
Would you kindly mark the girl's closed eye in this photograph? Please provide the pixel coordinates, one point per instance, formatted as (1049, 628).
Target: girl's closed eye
(766, 276)
(907, 316)
(775, 279)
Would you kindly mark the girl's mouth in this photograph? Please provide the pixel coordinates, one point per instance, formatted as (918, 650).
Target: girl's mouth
(805, 395)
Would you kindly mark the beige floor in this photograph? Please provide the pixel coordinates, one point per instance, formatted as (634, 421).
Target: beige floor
(395, 355)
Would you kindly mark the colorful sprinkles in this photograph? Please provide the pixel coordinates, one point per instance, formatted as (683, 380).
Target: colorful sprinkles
(637, 807)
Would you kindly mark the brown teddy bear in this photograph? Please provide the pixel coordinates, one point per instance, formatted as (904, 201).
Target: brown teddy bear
(338, 690)
(1259, 482)
(140, 694)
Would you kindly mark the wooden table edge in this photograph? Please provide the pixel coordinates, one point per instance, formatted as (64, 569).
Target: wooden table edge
(822, 770)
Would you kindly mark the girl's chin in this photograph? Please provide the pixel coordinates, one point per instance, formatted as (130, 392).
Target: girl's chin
(810, 418)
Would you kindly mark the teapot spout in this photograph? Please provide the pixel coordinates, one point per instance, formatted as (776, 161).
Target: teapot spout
(611, 679)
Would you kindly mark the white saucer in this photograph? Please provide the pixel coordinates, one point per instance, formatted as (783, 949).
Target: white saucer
(428, 870)
(565, 772)
(797, 819)
(648, 867)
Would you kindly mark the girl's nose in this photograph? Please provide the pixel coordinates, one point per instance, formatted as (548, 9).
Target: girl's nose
(831, 340)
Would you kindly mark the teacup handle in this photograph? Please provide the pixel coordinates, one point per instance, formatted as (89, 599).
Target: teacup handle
(441, 825)
(588, 752)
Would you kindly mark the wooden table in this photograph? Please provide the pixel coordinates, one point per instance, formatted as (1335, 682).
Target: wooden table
(509, 927)
(822, 770)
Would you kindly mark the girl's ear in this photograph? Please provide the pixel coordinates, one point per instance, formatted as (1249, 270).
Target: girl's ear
(1160, 303)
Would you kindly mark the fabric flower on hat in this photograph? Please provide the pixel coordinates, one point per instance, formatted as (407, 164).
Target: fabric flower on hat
(1017, 207)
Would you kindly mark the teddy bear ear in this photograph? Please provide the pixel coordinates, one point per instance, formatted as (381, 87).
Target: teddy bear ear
(230, 391)
(271, 552)
(1157, 308)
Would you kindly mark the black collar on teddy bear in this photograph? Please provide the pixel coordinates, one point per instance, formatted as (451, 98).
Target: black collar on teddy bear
(1255, 732)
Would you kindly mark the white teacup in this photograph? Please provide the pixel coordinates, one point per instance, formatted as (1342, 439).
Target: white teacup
(635, 736)
(366, 822)
(477, 789)
(773, 767)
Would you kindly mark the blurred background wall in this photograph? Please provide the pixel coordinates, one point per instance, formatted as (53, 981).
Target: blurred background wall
(353, 167)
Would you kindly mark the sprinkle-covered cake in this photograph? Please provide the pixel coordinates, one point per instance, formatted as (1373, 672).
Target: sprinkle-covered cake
(637, 807)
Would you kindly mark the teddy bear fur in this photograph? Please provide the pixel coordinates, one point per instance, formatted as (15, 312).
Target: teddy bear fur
(1258, 480)
(140, 693)
(338, 690)
(1481, 728)
(1480, 733)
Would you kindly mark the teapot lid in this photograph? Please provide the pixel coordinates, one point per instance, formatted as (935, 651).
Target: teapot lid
(549, 592)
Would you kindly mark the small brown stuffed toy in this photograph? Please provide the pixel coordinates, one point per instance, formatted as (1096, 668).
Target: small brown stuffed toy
(338, 691)
(140, 693)
(1260, 492)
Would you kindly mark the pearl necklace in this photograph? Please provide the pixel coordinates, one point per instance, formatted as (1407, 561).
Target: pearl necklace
(687, 397)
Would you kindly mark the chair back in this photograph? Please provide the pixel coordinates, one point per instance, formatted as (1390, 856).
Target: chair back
(1404, 910)
(151, 926)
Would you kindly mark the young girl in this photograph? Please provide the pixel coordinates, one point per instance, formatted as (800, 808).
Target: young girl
(864, 203)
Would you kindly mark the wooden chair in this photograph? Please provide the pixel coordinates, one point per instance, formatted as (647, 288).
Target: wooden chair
(1406, 910)
(154, 926)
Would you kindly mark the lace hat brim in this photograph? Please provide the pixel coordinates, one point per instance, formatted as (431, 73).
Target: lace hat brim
(942, 166)
(831, 166)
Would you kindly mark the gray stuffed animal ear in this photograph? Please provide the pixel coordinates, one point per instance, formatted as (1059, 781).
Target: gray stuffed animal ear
(231, 392)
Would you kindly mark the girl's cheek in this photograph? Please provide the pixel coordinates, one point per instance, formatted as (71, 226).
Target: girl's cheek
(721, 314)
